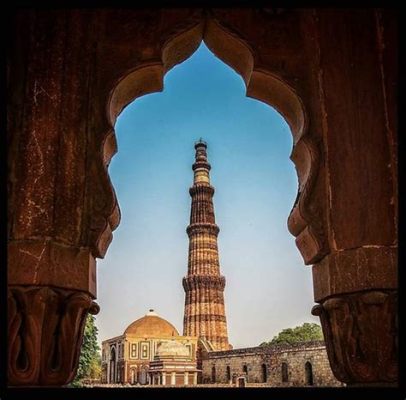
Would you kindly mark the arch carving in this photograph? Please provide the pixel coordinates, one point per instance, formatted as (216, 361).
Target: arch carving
(305, 219)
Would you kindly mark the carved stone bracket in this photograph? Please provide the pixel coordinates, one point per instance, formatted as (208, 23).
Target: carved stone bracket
(360, 330)
(45, 332)
(305, 219)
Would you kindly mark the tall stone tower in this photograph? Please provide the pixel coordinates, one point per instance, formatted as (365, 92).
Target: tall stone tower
(204, 286)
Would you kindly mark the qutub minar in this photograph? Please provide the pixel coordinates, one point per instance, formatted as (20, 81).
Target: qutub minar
(204, 286)
(151, 351)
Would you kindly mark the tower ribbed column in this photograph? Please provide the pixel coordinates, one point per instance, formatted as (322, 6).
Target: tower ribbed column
(204, 286)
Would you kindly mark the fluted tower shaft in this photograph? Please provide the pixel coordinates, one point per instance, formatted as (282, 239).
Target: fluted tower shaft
(204, 286)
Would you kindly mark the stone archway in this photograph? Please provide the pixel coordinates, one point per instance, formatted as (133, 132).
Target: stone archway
(143, 375)
(63, 208)
(113, 365)
(262, 85)
(134, 375)
(308, 369)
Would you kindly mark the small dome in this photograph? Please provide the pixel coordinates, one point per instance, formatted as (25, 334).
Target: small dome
(151, 325)
(172, 349)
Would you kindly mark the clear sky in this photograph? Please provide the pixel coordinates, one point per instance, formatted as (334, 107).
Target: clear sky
(268, 288)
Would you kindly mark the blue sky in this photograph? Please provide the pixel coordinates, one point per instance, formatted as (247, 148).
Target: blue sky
(268, 288)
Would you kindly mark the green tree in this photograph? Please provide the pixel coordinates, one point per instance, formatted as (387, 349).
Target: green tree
(305, 333)
(89, 360)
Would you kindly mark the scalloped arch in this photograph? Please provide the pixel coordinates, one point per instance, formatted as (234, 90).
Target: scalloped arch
(262, 85)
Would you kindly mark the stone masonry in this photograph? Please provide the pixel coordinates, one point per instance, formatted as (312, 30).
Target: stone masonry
(262, 366)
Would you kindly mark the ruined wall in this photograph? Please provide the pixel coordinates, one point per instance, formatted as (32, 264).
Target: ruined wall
(254, 358)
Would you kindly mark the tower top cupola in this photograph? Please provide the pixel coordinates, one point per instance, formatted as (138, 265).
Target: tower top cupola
(200, 143)
(201, 166)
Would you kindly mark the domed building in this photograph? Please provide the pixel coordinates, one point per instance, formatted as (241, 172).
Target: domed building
(127, 358)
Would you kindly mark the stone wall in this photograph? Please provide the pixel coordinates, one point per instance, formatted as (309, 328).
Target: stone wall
(264, 365)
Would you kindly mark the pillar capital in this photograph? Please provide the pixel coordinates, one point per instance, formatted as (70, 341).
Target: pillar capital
(360, 331)
(45, 332)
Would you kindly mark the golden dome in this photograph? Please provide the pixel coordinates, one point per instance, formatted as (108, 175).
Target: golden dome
(151, 325)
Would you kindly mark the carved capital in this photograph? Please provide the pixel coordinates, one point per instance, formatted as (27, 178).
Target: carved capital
(360, 331)
(45, 332)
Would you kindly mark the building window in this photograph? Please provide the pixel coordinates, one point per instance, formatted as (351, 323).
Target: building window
(285, 374)
(213, 374)
(144, 350)
(264, 373)
(228, 373)
(309, 373)
(133, 350)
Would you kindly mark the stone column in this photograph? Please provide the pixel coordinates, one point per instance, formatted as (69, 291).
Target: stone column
(356, 283)
(54, 230)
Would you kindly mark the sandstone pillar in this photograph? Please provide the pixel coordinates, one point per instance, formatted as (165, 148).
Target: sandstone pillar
(356, 283)
(52, 239)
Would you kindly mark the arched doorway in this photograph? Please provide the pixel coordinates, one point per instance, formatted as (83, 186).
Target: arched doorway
(143, 375)
(213, 374)
(309, 373)
(264, 373)
(112, 365)
(228, 373)
(245, 371)
(133, 376)
(285, 372)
